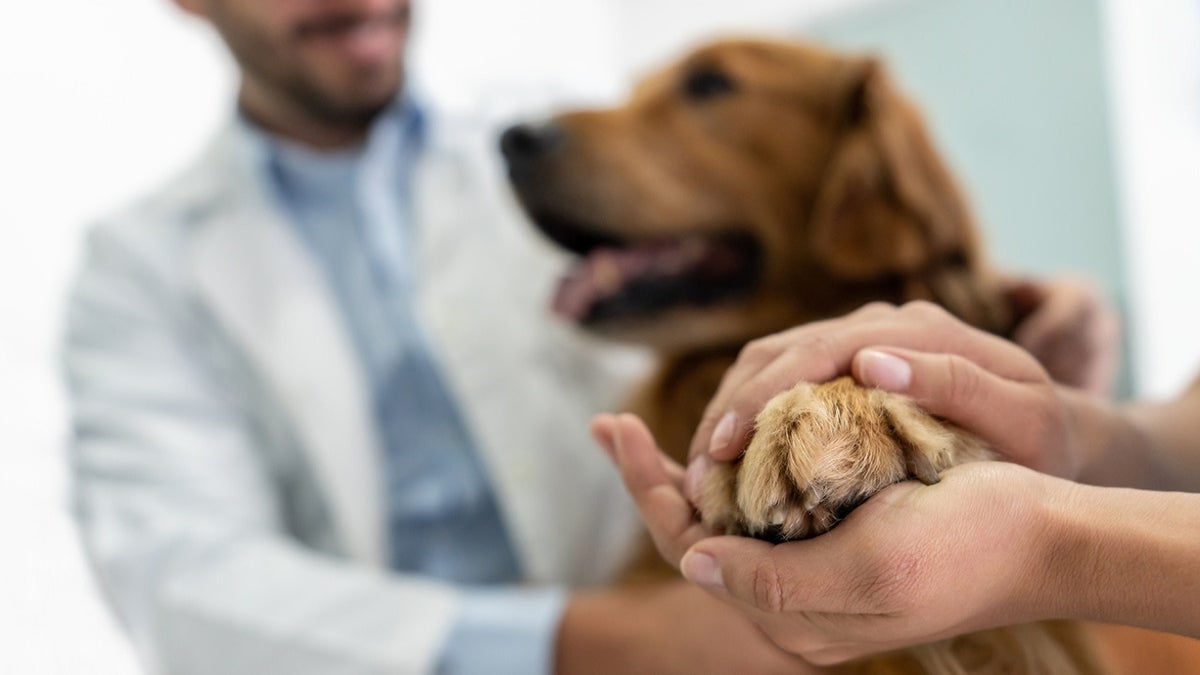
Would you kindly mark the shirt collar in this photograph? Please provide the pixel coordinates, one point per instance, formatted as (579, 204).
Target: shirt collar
(400, 128)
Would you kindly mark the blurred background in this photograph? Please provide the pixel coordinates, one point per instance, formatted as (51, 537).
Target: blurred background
(1074, 124)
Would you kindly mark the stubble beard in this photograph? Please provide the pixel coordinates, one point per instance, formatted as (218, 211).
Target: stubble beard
(272, 69)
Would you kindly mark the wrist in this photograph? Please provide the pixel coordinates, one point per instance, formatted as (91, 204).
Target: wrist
(1042, 587)
(1060, 545)
(1123, 556)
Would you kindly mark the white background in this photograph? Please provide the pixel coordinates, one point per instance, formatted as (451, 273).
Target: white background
(100, 101)
(1154, 65)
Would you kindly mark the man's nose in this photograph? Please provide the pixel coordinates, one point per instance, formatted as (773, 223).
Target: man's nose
(526, 143)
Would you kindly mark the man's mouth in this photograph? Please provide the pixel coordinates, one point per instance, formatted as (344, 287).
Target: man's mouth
(617, 279)
(364, 37)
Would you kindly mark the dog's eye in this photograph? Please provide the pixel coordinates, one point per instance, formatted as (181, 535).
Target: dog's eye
(702, 85)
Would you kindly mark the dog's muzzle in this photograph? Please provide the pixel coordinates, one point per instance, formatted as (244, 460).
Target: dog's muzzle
(527, 146)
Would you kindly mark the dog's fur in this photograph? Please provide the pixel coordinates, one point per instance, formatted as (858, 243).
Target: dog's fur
(748, 188)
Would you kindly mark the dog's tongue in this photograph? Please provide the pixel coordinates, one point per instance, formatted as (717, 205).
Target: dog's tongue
(605, 272)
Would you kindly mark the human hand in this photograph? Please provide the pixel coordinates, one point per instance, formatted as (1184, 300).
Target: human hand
(655, 481)
(1070, 327)
(990, 544)
(912, 565)
(983, 383)
(666, 628)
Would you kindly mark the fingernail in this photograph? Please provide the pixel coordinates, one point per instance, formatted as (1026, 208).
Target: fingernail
(701, 568)
(695, 476)
(723, 434)
(885, 371)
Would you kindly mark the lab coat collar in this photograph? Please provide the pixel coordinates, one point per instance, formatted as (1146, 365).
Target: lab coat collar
(268, 293)
(475, 271)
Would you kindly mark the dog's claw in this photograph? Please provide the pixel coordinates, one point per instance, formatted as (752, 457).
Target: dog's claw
(809, 501)
(820, 450)
(778, 516)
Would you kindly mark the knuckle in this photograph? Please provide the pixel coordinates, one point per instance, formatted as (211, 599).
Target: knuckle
(767, 587)
(886, 580)
(962, 380)
(923, 310)
(1048, 419)
(819, 348)
(874, 309)
(756, 351)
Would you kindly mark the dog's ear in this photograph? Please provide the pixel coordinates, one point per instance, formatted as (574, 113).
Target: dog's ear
(887, 204)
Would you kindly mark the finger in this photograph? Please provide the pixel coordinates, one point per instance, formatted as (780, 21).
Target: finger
(603, 428)
(1077, 337)
(1099, 377)
(717, 426)
(802, 577)
(1065, 311)
(742, 405)
(655, 490)
(976, 399)
(697, 469)
(675, 473)
(817, 356)
(1024, 295)
(767, 367)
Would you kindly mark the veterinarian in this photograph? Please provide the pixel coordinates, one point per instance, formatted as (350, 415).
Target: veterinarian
(1095, 517)
(320, 424)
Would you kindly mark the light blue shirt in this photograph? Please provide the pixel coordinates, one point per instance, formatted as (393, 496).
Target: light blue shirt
(352, 209)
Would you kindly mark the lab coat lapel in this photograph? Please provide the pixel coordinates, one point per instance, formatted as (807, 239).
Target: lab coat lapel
(475, 299)
(268, 293)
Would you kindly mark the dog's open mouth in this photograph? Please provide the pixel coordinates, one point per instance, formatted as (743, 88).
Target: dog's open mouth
(632, 279)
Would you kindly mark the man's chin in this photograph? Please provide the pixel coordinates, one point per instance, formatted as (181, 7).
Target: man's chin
(352, 117)
(356, 102)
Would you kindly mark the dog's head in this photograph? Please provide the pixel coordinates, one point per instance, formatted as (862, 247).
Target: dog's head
(750, 186)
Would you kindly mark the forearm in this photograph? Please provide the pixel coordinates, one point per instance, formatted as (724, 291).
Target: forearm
(1174, 432)
(1149, 445)
(1127, 556)
(663, 628)
(598, 634)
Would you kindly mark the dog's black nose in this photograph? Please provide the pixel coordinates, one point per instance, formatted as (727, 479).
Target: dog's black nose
(525, 142)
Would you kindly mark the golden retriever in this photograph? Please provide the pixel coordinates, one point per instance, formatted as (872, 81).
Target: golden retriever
(750, 187)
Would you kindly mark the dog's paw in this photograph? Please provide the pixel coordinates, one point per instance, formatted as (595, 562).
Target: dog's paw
(819, 451)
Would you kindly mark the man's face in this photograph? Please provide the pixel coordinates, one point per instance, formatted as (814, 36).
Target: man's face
(338, 60)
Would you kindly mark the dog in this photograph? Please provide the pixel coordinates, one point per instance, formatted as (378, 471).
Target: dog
(752, 186)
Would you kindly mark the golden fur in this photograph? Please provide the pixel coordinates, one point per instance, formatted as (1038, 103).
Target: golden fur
(817, 160)
(821, 449)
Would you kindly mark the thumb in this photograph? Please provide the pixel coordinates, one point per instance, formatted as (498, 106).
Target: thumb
(959, 390)
(791, 577)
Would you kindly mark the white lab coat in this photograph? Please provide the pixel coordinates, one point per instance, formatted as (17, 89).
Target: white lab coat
(226, 466)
